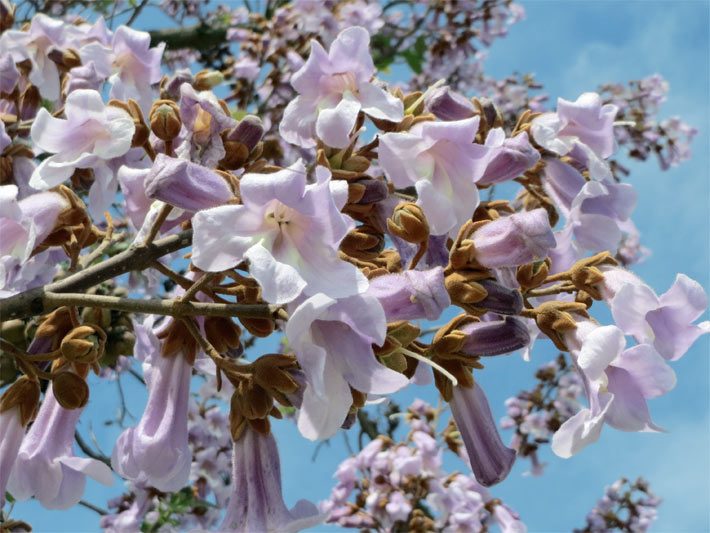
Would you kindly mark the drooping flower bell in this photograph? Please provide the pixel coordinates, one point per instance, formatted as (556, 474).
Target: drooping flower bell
(46, 466)
(490, 459)
(256, 502)
(156, 451)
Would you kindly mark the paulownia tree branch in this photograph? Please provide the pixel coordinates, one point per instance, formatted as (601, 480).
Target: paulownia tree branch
(138, 257)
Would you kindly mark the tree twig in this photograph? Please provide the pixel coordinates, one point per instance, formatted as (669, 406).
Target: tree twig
(137, 257)
(88, 450)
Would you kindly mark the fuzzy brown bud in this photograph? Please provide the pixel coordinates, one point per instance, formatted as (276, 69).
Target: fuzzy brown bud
(70, 390)
(84, 344)
(23, 394)
(165, 120)
(409, 223)
(207, 79)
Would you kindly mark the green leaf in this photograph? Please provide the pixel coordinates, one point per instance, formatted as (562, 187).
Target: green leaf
(414, 56)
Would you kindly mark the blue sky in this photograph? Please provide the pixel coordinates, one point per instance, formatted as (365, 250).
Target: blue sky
(571, 47)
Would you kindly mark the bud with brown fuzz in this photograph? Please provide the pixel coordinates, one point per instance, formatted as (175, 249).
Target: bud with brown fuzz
(84, 344)
(165, 120)
(409, 223)
(70, 390)
(23, 394)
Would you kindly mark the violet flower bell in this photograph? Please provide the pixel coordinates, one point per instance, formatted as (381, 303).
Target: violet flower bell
(490, 459)
(256, 502)
(186, 185)
(413, 294)
(441, 161)
(288, 230)
(333, 87)
(156, 451)
(508, 157)
(9, 75)
(514, 240)
(46, 467)
(332, 340)
(91, 135)
(495, 337)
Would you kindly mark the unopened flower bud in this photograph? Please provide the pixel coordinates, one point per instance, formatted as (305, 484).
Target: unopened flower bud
(165, 120)
(554, 319)
(511, 157)
(274, 373)
(22, 394)
(514, 240)
(248, 132)
(223, 334)
(465, 288)
(186, 185)
(532, 275)
(207, 79)
(252, 400)
(409, 223)
(364, 242)
(500, 299)
(495, 337)
(448, 105)
(70, 390)
(83, 344)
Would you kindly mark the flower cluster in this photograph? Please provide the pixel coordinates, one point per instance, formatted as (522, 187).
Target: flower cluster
(642, 134)
(371, 222)
(402, 486)
(625, 506)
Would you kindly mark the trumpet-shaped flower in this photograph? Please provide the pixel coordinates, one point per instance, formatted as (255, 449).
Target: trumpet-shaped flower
(490, 459)
(333, 88)
(443, 164)
(156, 451)
(333, 342)
(46, 467)
(91, 135)
(288, 230)
(412, 294)
(256, 502)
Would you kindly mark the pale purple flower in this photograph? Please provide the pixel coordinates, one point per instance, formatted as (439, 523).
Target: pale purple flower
(84, 77)
(256, 502)
(203, 120)
(332, 340)
(156, 451)
(666, 321)
(288, 230)
(91, 135)
(441, 161)
(333, 87)
(617, 382)
(489, 458)
(412, 294)
(186, 185)
(136, 202)
(46, 466)
(514, 240)
(584, 125)
(508, 157)
(34, 45)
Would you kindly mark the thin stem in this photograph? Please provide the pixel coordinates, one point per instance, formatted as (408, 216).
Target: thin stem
(547, 291)
(434, 365)
(169, 307)
(88, 450)
(162, 217)
(197, 286)
(93, 507)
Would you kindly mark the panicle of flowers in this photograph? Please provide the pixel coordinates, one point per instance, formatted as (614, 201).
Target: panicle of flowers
(535, 414)
(641, 132)
(401, 485)
(626, 506)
